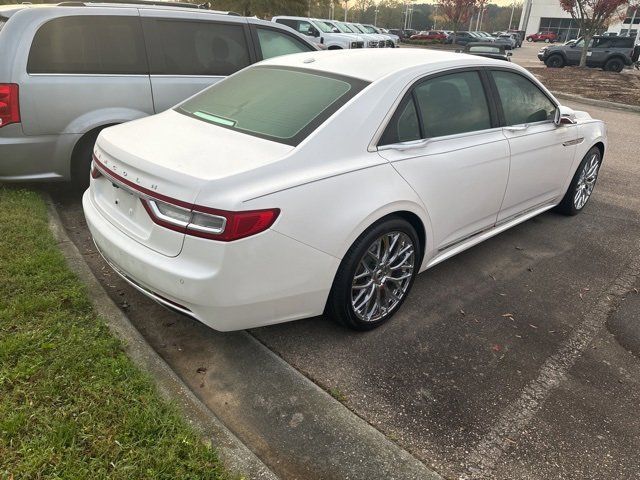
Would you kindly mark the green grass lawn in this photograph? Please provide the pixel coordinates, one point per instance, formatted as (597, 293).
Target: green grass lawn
(72, 405)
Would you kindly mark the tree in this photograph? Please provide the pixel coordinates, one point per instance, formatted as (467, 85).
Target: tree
(457, 13)
(592, 16)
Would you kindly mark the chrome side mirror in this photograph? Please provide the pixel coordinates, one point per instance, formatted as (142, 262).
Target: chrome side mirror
(564, 116)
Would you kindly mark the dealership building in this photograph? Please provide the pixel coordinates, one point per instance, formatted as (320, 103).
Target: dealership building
(548, 16)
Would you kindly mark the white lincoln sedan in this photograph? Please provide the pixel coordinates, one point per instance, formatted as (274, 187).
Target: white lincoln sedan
(325, 181)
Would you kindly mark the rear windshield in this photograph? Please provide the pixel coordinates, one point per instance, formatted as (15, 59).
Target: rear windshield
(277, 103)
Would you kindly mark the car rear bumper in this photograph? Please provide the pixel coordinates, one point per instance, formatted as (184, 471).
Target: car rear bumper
(34, 158)
(261, 280)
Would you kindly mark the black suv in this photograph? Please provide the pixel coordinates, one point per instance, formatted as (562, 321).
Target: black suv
(608, 53)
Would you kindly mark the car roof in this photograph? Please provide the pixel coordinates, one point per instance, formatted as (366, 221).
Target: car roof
(373, 64)
(8, 10)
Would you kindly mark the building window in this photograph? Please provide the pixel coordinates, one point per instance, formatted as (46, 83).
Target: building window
(564, 28)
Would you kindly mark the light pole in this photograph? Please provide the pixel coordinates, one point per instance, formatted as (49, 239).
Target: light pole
(375, 18)
(633, 19)
(435, 18)
(513, 7)
(346, 9)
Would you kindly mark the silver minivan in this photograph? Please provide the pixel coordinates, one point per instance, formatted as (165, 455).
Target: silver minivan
(67, 71)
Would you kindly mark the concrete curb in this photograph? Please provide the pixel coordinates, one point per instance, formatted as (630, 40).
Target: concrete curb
(597, 103)
(234, 454)
(249, 396)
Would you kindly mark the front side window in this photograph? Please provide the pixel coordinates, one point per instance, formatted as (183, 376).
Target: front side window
(522, 101)
(305, 28)
(280, 104)
(440, 106)
(89, 44)
(274, 43)
(323, 27)
(451, 104)
(199, 48)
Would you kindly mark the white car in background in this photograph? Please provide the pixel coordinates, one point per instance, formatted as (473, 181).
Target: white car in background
(383, 40)
(317, 31)
(370, 41)
(325, 181)
(394, 38)
(372, 31)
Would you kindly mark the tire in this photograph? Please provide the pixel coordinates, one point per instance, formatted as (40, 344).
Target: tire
(81, 160)
(529, 39)
(614, 65)
(546, 40)
(584, 180)
(554, 61)
(345, 303)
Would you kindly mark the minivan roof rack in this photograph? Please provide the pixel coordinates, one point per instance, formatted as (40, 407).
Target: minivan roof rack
(158, 3)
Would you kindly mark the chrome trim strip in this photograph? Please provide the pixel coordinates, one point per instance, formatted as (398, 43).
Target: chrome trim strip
(153, 204)
(200, 228)
(465, 238)
(526, 212)
(577, 141)
(497, 224)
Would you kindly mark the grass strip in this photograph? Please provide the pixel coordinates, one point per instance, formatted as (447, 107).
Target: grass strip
(72, 404)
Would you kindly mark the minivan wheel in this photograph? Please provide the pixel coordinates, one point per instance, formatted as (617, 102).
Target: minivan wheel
(81, 160)
(582, 184)
(614, 65)
(554, 61)
(376, 275)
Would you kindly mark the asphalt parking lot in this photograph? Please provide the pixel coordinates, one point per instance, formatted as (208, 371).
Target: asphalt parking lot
(505, 362)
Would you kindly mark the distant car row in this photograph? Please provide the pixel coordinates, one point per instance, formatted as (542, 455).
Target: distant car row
(508, 39)
(333, 34)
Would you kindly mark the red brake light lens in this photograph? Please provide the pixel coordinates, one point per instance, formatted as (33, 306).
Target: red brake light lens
(9, 105)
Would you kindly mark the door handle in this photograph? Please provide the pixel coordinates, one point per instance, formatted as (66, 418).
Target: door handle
(517, 128)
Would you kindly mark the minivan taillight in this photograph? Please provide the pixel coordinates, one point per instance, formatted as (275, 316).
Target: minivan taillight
(9, 105)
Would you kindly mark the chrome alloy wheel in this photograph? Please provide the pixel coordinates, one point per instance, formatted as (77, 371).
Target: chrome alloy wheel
(383, 276)
(587, 181)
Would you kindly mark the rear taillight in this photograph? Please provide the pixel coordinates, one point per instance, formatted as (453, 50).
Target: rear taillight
(195, 220)
(203, 222)
(9, 105)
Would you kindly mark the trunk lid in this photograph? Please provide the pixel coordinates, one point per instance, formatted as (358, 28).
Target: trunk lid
(168, 157)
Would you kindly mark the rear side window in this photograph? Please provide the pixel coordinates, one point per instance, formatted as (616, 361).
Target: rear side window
(89, 45)
(452, 104)
(280, 104)
(274, 43)
(199, 48)
(623, 42)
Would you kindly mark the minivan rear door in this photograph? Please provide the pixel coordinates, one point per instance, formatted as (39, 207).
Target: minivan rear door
(189, 51)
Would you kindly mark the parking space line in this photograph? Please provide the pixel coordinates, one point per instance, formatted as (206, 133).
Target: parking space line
(483, 458)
